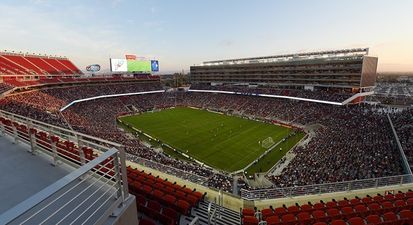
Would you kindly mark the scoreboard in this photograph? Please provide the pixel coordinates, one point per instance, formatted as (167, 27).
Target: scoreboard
(125, 65)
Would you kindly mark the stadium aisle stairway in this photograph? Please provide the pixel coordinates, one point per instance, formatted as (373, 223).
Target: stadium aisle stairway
(389, 209)
(229, 217)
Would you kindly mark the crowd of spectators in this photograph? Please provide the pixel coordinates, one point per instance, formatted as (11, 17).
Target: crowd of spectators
(403, 123)
(322, 94)
(355, 142)
(5, 87)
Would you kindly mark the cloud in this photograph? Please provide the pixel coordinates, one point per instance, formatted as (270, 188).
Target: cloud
(36, 31)
(226, 43)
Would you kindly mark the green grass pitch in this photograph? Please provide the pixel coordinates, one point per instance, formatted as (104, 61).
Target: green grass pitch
(224, 142)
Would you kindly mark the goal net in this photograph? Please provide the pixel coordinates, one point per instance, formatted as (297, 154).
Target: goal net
(267, 142)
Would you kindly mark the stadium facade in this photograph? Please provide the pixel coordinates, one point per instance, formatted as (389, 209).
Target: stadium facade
(349, 69)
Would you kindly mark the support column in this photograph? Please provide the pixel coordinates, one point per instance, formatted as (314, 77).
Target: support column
(53, 142)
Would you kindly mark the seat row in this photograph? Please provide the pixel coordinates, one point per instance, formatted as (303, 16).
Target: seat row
(304, 218)
(333, 210)
(389, 201)
(154, 210)
(168, 194)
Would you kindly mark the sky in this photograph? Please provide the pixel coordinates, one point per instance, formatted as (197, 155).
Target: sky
(181, 33)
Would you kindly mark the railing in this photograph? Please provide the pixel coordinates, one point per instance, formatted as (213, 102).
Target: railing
(88, 195)
(268, 96)
(275, 193)
(109, 96)
(403, 158)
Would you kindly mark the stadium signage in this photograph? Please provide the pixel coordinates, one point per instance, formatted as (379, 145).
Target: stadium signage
(130, 57)
(93, 68)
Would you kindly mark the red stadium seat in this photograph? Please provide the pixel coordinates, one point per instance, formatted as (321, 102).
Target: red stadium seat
(187, 190)
(409, 194)
(248, 212)
(165, 220)
(266, 213)
(192, 200)
(307, 208)
(387, 206)
(410, 203)
(374, 208)
(400, 204)
(183, 207)
(288, 219)
(154, 205)
(320, 223)
(343, 203)
(361, 210)
(146, 189)
(319, 206)
(390, 217)
(355, 201)
(400, 196)
(140, 201)
(249, 220)
(197, 194)
(347, 212)
(159, 186)
(338, 222)
(319, 216)
(169, 212)
(293, 209)
(168, 190)
(373, 219)
(333, 214)
(378, 198)
(279, 211)
(331, 204)
(273, 220)
(157, 194)
(356, 221)
(146, 222)
(304, 218)
(168, 200)
(389, 197)
(180, 194)
(406, 216)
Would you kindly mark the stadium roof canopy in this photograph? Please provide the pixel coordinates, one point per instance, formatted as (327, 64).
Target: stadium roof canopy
(355, 52)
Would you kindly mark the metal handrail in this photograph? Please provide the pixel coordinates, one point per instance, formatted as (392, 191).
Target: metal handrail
(404, 160)
(274, 193)
(47, 127)
(106, 172)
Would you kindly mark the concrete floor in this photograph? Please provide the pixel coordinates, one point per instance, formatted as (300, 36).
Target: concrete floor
(23, 174)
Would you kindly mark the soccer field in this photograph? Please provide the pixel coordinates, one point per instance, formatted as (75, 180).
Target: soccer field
(224, 142)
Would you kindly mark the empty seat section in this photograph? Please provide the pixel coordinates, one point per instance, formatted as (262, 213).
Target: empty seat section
(39, 62)
(387, 209)
(25, 63)
(60, 67)
(69, 65)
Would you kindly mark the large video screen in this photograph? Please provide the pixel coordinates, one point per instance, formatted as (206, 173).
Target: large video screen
(155, 65)
(123, 65)
(139, 66)
(118, 65)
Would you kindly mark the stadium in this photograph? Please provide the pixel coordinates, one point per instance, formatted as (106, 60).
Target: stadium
(299, 138)
(224, 143)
